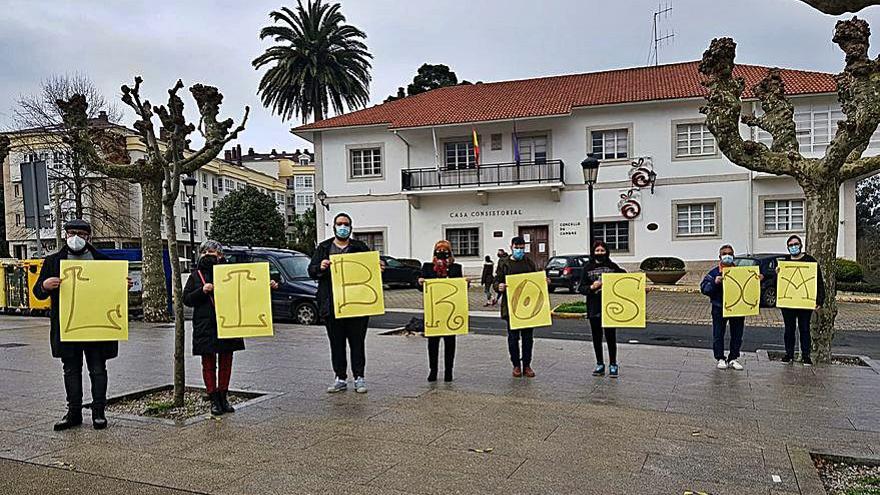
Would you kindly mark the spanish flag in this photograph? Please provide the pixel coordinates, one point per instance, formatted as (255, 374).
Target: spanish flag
(476, 147)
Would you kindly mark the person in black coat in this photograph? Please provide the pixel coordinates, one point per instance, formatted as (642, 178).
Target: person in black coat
(799, 319)
(96, 354)
(340, 330)
(443, 265)
(591, 286)
(199, 295)
(487, 279)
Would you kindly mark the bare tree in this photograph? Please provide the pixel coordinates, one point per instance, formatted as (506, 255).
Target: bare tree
(80, 192)
(166, 159)
(838, 7)
(858, 88)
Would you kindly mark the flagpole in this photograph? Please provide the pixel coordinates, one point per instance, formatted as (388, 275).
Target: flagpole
(436, 155)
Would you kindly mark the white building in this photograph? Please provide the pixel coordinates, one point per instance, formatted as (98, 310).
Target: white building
(407, 173)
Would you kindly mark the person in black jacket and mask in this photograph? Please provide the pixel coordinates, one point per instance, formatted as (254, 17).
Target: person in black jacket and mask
(340, 330)
(799, 319)
(442, 266)
(591, 286)
(215, 352)
(96, 354)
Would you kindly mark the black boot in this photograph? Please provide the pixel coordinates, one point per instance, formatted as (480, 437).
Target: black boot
(447, 375)
(99, 421)
(224, 402)
(432, 375)
(216, 404)
(71, 419)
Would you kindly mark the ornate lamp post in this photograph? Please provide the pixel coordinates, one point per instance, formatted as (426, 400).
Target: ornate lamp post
(591, 174)
(189, 188)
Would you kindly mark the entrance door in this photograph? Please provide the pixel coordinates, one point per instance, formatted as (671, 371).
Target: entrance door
(537, 243)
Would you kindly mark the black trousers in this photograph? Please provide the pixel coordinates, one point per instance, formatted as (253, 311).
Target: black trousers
(610, 337)
(797, 319)
(353, 331)
(448, 352)
(528, 340)
(97, 365)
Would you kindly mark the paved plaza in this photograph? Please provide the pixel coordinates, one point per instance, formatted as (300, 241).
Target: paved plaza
(671, 422)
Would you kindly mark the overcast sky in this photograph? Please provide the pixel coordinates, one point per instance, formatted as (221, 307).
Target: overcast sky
(214, 42)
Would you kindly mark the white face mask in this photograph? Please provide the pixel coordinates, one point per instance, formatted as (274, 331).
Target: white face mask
(76, 243)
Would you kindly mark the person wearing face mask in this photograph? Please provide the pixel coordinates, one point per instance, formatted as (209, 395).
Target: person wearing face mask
(712, 286)
(96, 354)
(443, 265)
(216, 353)
(342, 330)
(516, 263)
(591, 287)
(799, 319)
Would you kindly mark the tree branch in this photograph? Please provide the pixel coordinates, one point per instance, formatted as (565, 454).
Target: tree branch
(4, 147)
(838, 7)
(217, 134)
(723, 113)
(778, 118)
(143, 109)
(859, 168)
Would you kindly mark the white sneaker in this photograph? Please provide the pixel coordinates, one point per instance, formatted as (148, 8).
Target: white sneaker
(735, 365)
(722, 364)
(360, 385)
(338, 386)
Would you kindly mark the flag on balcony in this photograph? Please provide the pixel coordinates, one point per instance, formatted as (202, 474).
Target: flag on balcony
(476, 147)
(515, 144)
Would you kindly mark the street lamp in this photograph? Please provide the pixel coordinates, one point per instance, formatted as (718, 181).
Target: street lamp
(322, 198)
(591, 174)
(189, 188)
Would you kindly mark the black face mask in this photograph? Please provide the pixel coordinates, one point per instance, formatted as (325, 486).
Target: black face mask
(441, 255)
(600, 257)
(208, 261)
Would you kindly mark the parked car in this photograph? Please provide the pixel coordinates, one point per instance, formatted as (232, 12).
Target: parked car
(296, 295)
(565, 271)
(399, 273)
(766, 263)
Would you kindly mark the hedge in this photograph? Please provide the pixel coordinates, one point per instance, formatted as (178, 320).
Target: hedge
(848, 271)
(859, 287)
(662, 264)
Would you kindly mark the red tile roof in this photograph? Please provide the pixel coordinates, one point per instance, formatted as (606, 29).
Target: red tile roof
(557, 95)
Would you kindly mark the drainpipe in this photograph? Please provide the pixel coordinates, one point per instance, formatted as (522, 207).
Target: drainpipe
(750, 246)
(408, 204)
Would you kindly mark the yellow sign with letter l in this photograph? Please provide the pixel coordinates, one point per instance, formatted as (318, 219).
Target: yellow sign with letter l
(243, 300)
(93, 300)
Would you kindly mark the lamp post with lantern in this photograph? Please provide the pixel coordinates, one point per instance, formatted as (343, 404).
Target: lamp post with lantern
(591, 174)
(189, 188)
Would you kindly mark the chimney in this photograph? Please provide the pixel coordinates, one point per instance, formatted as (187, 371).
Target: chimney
(227, 154)
(102, 116)
(250, 151)
(238, 150)
(273, 152)
(297, 151)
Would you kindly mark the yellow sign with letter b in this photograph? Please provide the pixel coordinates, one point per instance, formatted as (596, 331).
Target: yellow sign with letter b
(446, 307)
(528, 300)
(357, 285)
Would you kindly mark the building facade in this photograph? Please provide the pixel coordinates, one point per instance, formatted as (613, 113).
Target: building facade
(409, 174)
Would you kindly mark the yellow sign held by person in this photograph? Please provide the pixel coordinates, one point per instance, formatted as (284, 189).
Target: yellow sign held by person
(446, 307)
(528, 300)
(357, 285)
(243, 300)
(742, 291)
(93, 301)
(623, 300)
(796, 285)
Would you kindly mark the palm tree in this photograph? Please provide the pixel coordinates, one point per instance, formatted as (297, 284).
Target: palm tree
(317, 59)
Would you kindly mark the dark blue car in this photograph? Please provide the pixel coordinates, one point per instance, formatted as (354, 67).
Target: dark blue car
(297, 292)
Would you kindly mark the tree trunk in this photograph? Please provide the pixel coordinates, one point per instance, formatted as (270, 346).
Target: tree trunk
(155, 299)
(177, 304)
(822, 217)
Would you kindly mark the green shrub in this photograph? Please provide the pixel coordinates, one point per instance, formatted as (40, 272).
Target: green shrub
(859, 287)
(848, 271)
(572, 307)
(662, 264)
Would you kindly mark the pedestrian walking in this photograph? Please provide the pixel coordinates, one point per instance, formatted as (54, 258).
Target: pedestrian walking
(712, 286)
(443, 265)
(515, 264)
(797, 321)
(487, 279)
(591, 286)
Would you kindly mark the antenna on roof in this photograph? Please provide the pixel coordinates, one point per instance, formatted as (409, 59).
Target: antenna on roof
(659, 36)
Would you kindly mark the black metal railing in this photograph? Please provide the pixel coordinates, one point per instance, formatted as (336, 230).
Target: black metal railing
(485, 174)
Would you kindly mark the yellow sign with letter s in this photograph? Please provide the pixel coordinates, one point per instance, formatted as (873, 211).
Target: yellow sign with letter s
(623, 300)
(357, 285)
(528, 300)
(742, 291)
(796, 285)
(243, 300)
(93, 300)
(446, 307)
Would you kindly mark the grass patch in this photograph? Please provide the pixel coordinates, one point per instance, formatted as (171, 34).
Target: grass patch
(572, 307)
(847, 476)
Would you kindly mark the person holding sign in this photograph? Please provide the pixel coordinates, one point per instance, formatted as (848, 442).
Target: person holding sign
(340, 330)
(796, 282)
(591, 287)
(214, 351)
(96, 354)
(443, 265)
(712, 286)
(516, 263)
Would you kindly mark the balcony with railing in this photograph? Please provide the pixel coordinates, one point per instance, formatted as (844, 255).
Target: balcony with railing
(485, 175)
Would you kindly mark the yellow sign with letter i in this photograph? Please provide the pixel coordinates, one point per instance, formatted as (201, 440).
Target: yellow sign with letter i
(243, 300)
(796, 285)
(528, 301)
(93, 301)
(446, 307)
(623, 300)
(357, 285)
(742, 291)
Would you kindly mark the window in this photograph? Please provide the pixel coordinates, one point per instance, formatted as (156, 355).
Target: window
(375, 240)
(365, 163)
(783, 215)
(230, 185)
(204, 180)
(815, 125)
(533, 149)
(459, 155)
(610, 144)
(207, 227)
(693, 139)
(304, 182)
(205, 203)
(496, 142)
(295, 266)
(183, 224)
(17, 219)
(304, 201)
(16, 191)
(465, 241)
(696, 219)
(274, 271)
(615, 234)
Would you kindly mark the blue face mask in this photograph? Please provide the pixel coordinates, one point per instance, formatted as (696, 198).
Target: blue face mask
(794, 249)
(343, 231)
(519, 253)
(727, 259)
